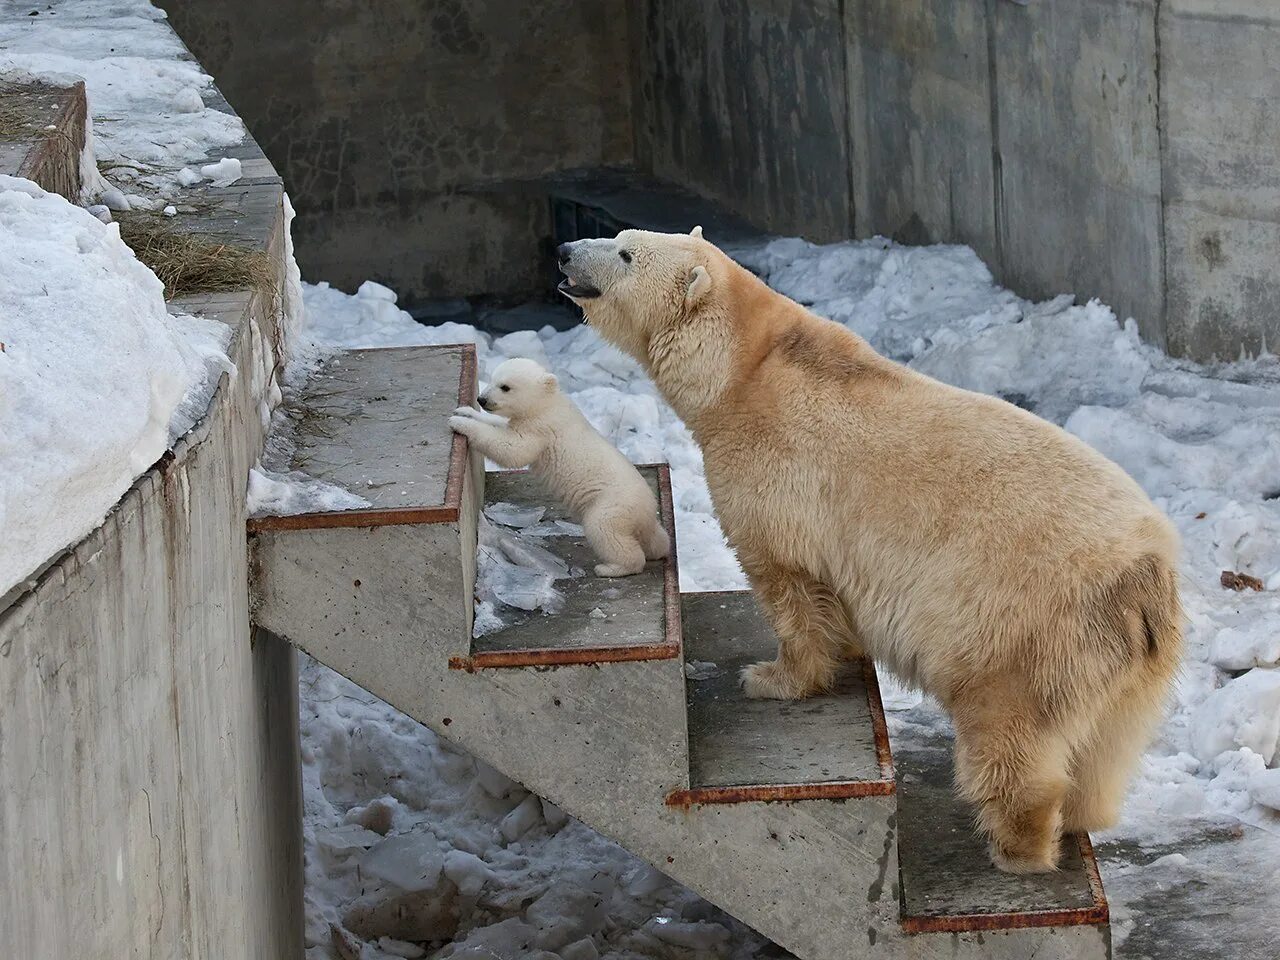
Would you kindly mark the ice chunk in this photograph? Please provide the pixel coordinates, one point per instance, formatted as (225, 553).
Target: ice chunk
(170, 210)
(486, 619)
(531, 556)
(114, 199)
(410, 861)
(701, 670)
(522, 819)
(706, 937)
(522, 588)
(554, 816)
(350, 836)
(188, 177)
(1239, 648)
(584, 949)
(401, 948)
(1244, 712)
(645, 881)
(574, 907)
(188, 100)
(287, 494)
(495, 784)
(513, 515)
(597, 614)
(369, 290)
(1264, 787)
(467, 871)
(376, 815)
(223, 173)
(554, 528)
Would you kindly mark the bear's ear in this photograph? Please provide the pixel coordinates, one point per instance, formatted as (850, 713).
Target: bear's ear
(699, 284)
(696, 233)
(549, 382)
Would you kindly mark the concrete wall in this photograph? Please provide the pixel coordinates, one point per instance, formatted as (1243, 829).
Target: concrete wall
(1220, 112)
(412, 133)
(150, 803)
(1121, 149)
(743, 101)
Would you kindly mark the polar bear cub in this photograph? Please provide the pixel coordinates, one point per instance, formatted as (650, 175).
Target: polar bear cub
(546, 432)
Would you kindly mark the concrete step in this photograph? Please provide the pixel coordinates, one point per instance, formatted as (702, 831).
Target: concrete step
(949, 885)
(832, 747)
(783, 814)
(375, 423)
(604, 619)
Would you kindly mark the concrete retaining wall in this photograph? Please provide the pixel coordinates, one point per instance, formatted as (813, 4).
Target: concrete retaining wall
(1121, 149)
(412, 132)
(150, 801)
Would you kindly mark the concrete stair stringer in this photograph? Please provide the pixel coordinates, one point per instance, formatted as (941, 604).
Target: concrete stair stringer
(605, 742)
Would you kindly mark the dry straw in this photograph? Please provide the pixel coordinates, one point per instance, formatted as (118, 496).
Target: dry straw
(189, 263)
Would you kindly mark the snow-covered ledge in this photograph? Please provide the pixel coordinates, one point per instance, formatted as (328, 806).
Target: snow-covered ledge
(148, 739)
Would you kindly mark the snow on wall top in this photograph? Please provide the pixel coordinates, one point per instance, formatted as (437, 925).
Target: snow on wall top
(144, 90)
(96, 377)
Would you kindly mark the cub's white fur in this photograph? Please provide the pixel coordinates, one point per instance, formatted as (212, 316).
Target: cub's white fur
(543, 430)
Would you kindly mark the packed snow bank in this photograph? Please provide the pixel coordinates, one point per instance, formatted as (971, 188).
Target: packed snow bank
(96, 378)
(145, 93)
(1204, 443)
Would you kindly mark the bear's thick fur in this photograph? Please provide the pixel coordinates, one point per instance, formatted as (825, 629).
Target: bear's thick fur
(543, 430)
(976, 550)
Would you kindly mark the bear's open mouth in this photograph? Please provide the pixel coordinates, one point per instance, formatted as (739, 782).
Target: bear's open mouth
(578, 291)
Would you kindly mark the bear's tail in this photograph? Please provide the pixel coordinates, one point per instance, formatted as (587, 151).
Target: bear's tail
(655, 542)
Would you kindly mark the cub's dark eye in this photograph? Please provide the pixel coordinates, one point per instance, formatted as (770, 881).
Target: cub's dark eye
(504, 388)
(625, 255)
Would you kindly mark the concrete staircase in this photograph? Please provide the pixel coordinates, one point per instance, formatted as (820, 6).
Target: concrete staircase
(788, 815)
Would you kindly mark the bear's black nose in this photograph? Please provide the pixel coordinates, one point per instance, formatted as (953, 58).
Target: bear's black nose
(563, 253)
(484, 402)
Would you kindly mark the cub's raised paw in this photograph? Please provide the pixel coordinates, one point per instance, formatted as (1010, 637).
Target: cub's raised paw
(471, 412)
(765, 681)
(461, 424)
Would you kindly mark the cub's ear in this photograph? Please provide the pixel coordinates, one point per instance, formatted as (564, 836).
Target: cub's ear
(696, 233)
(549, 382)
(699, 285)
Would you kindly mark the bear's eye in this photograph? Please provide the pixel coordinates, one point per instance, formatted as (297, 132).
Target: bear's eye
(625, 255)
(504, 388)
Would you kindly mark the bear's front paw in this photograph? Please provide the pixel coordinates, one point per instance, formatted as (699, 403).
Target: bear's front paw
(463, 425)
(766, 681)
(616, 570)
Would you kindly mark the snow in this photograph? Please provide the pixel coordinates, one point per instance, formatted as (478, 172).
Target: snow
(148, 118)
(1203, 441)
(96, 378)
(223, 173)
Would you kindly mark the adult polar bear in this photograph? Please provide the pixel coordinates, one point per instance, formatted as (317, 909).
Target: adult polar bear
(976, 550)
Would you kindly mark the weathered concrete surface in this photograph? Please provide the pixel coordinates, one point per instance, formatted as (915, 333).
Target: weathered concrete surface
(1220, 113)
(600, 613)
(1078, 154)
(920, 122)
(408, 131)
(46, 134)
(148, 747)
(606, 742)
(376, 423)
(736, 741)
(744, 103)
(1028, 132)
